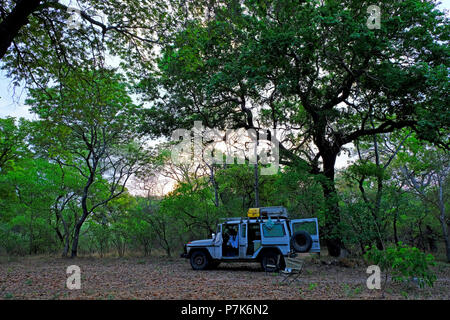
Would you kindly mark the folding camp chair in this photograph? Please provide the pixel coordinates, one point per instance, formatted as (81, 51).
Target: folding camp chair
(273, 266)
(294, 267)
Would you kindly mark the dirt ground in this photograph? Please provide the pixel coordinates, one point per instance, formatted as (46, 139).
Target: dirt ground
(163, 278)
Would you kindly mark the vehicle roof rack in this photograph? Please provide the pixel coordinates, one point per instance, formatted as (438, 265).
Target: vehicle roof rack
(263, 216)
(274, 212)
(232, 219)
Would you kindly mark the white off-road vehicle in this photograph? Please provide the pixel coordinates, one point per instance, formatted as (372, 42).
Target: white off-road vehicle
(266, 236)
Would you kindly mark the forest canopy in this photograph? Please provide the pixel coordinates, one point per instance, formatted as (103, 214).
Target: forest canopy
(93, 173)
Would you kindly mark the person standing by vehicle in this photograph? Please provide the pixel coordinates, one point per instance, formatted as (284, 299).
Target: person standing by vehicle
(233, 242)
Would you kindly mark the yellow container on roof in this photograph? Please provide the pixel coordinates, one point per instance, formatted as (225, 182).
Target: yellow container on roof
(253, 213)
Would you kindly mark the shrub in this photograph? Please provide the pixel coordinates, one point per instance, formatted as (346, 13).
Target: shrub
(403, 263)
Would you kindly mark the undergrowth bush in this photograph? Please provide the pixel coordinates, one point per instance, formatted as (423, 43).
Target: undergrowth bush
(403, 263)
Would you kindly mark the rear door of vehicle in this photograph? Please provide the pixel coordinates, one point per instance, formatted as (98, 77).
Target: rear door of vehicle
(275, 235)
(310, 225)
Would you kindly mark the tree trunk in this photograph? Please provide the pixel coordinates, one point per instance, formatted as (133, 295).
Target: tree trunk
(332, 218)
(147, 249)
(85, 210)
(442, 217)
(394, 224)
(431, 240)
(76, 235)
(446, 239)
(256, 186)
(376, 211)
(66, 238)
(66, 246)
(14, 21)
(31, 234)
(59, 234)
(214, 183)
(168, 251)
(78, 226)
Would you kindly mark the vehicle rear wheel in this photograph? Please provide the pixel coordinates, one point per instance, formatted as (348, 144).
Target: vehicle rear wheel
(199, 260)
(271, 262)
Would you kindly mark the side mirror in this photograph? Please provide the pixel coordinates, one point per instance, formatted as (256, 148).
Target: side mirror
(213, 235)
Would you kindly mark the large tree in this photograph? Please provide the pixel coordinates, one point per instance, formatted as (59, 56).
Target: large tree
(313, 70)
(426, 171)
(38, 38)
(88, 123)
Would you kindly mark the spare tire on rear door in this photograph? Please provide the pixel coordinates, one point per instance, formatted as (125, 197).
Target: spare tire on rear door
(301, 241)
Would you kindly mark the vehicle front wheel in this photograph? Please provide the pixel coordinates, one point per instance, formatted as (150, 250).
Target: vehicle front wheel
(199, 260)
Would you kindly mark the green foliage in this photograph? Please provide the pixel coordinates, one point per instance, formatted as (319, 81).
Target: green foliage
(403, 263)
(12, 145)
(312, 286)
(313, 70)
(33, 186)
(312, 56)
(193, 206)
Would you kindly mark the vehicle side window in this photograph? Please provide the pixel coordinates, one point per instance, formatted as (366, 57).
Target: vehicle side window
(276, 231)
(308, 226)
